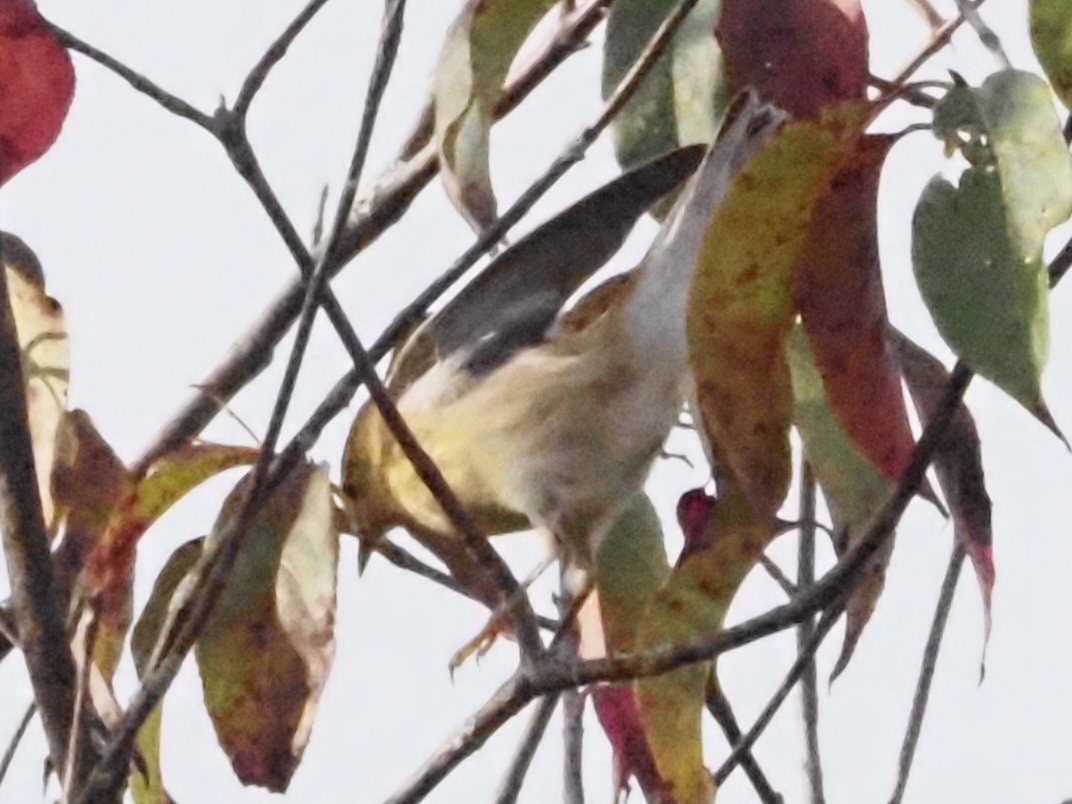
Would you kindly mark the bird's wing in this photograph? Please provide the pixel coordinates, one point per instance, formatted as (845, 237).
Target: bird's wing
(515, 299)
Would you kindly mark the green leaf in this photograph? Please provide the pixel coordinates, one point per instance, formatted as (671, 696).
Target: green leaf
(853, 487)
(681, 98)
(479, 48)
(267, 649)
(977, 247)
(146, 782)
(630, 567)
(1051, 36)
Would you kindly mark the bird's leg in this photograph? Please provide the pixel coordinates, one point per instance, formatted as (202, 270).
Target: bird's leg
(499, 623)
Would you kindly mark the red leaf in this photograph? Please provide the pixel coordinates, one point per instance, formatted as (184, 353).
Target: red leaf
(801, 55)
(36, 86)
(957, 462)
(841, 301)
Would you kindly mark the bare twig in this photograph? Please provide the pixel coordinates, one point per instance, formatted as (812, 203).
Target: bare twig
(776, 575)
(719, 707)
(805, 657)
(939, 39)
(926, 671)
(985, 33)
(510, 787)
(809, 685)
(82, 668)
(572, 747)
(405, 560)
(139, 82)
(510, 699)
(275, 53)
(16, 740)
(34, 587)
(928, 12)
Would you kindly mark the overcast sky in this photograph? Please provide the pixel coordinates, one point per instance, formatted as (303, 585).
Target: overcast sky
(162, 258)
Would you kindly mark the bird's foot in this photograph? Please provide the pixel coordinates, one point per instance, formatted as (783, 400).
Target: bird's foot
(497, 625)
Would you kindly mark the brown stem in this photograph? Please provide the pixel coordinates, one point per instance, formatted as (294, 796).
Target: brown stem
(926, 671)
(809, 684)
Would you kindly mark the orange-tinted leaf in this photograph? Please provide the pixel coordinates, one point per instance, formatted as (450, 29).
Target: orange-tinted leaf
(169, 479)
(479, 48)
(741, 305)
(853, 488)
(843, 307)
(36, 86)
(266, 651)
(958, 462)
(146, 783)
(46, 359)
(631, 565)
(690, 607)
(802, 55)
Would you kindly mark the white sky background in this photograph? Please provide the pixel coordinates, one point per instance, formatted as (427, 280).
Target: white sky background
(162, 258)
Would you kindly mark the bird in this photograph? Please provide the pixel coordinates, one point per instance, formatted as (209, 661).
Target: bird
(541, 420)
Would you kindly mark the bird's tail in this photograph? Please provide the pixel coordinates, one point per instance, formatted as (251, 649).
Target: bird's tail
(655, 313)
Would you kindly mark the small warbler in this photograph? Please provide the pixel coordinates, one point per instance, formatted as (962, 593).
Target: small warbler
(539, 422)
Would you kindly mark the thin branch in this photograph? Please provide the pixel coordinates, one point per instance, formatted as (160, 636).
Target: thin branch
(573, 703)
(175, 105)
(985, 33)
(805, 657)
(939, 39)
(405, 560)
(510, 787)
(926, 671)
(510, 699)
(82, 673)
(16, 740)
(35, 590)
(721, 710)
(275, 53)
(809, 684)
(776, 574)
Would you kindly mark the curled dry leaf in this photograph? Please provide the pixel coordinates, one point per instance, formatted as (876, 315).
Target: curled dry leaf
(977, 247)
(266, 651)
(802, 55)
(479, 48)
(46, 360)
